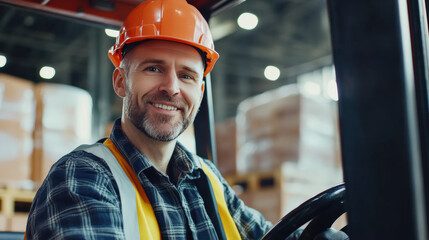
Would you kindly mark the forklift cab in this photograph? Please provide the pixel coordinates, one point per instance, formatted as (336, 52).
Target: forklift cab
(380, 56)
(380, 53)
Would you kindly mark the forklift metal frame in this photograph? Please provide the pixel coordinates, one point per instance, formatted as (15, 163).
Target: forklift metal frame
(380, 56)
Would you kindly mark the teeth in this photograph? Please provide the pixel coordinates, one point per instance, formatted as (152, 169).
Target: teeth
(162, 106)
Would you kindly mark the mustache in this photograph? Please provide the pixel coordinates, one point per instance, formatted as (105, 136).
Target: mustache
(163, 97)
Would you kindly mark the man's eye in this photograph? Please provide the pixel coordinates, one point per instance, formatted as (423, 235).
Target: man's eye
(152, 69)
(187, 77)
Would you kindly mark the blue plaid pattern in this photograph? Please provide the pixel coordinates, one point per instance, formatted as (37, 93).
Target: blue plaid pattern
(79, 198)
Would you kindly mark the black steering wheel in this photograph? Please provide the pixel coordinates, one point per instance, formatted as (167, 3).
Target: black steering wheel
(323, 209)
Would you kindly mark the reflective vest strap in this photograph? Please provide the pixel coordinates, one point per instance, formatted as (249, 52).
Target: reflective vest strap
(228, 223)
(147, 223)
(126, 190)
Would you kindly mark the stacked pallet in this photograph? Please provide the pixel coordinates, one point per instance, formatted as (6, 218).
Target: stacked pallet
(38, 124)
(276, 192)
(284, 125)
(285, 150)
(15, 203)
(17, 113)
(268, 130)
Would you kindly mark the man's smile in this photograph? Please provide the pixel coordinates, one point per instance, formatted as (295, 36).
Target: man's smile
(165, 107)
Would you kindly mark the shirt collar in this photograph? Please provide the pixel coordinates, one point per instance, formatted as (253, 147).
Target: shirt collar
(139, 162)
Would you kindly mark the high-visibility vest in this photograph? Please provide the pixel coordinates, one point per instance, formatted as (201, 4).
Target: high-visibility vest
(139, 219)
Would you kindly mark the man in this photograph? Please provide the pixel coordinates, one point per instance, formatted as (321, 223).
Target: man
(141, 183)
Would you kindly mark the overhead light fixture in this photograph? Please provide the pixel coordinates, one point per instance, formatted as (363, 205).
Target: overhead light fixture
(111, 32)
(247, 21)
(47, 72)
(272, 73)
(3, 61)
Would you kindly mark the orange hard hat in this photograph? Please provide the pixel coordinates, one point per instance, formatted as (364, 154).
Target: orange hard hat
(173, 20)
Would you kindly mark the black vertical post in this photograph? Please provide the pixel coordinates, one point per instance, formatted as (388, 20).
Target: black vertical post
(204, 125)
(204, 121)
(420, 43)
(378, 119)
(99, 80)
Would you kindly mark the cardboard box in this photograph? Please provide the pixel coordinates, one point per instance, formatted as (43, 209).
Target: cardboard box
(268, 127)
(51, 146)
(63, 122)
(17, 114)
(269, 114)
(63, 108)
(226, 146)
(284, 125)
(16, 147)
(17, 100)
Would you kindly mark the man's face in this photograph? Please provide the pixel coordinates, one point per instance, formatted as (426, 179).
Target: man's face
(163, 88)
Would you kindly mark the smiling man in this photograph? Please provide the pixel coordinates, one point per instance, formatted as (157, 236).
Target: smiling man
(141, 183)
(162, 86)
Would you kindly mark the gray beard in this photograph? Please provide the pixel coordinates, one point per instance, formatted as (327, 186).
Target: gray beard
(149, 128)
(148, 125)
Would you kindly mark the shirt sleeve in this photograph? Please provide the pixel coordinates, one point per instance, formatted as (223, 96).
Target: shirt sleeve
(250, 223)
(79, 199)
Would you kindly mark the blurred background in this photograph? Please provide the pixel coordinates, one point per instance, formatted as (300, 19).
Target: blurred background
(274, 98)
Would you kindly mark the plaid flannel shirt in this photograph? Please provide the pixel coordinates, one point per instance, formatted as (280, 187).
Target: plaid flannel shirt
(79, 198)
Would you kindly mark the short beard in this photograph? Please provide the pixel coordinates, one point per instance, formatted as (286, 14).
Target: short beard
(149, 128)
(147, 125)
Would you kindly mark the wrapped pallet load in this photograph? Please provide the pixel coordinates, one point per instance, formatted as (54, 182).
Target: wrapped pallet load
(268, 129)
(283, 125)
(17, 113)
(63, 122)
(287, 149)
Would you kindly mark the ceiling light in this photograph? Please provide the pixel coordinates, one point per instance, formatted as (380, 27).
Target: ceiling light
(111, 32)
(247, 21)
(3, 61)
(47, 72)
(272, 73)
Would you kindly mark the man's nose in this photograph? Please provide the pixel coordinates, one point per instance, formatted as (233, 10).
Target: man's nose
(170, 84)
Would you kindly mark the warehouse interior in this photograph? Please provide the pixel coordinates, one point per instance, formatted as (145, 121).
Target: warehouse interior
(272, 136)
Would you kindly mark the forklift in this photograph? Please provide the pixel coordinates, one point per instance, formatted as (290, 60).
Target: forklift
(380, 52)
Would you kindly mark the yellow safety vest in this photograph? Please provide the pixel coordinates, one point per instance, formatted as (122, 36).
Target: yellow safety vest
(147, 223)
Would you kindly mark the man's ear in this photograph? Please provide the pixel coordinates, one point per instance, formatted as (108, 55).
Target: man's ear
(202, 90)
(119, 82)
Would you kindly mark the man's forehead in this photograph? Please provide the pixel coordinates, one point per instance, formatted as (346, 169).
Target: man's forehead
(158, 43)
(167, 46)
